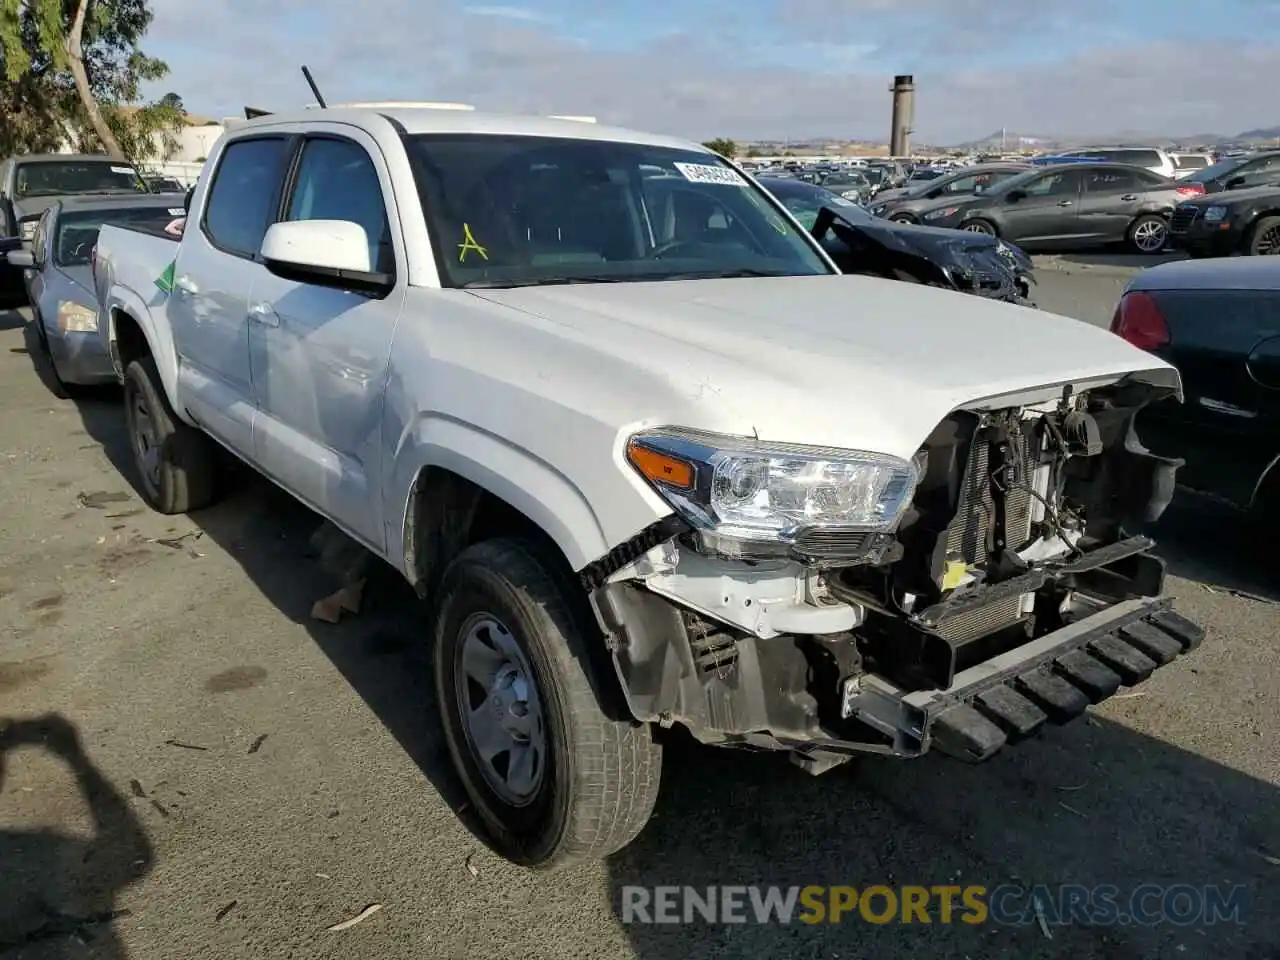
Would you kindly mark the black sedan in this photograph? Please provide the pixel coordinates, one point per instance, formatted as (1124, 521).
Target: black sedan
(1218, 322)
(1227, 222)
(1071, 206)
(1239, 173)
(907, 204)
(863, 244)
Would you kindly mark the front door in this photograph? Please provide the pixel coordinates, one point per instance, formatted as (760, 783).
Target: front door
(1048, 210)
(319, 355)
(209, 305)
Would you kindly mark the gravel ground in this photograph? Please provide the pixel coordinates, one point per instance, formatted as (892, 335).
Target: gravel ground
(227, 778)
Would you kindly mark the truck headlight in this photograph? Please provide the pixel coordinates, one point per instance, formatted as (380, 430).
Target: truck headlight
(1214, 214)
(750, 498)
(76, 318)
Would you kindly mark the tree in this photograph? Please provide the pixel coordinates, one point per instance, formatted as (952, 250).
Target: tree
(172, 100)
(71, 68)
(723, 146)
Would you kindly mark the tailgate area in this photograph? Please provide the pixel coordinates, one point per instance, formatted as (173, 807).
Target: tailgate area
(1049, 680)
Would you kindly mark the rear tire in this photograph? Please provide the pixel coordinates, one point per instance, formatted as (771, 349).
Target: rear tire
(1264, 238)
(1148, 234)
(511, 638)
(176, 463)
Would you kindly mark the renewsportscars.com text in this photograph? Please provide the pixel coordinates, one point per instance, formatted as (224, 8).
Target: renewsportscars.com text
(1007, 904)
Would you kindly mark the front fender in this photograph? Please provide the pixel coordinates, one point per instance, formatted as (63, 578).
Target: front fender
(511, 473)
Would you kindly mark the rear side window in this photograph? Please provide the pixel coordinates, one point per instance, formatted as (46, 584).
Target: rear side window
(244, 194)
(1191, 163)
(337, 180)
(1110, 181)
(1139, 158)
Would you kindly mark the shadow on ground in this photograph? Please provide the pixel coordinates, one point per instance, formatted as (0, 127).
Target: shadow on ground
(1120, 258)
(58, 891)
(1092, 803)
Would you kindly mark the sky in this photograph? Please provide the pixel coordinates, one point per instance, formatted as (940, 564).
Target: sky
(747, 69)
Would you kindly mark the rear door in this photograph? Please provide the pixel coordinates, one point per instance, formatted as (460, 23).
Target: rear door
(1110, 200)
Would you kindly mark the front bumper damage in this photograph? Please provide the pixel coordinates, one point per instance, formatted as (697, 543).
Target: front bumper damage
(814, 696)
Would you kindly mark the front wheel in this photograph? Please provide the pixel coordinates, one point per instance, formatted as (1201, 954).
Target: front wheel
(553, 779)
(985, 227)
(176, 463)
(1264, 239)
(1148, 234)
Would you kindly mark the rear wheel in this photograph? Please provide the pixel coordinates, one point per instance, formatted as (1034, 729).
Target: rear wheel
(1148, 233)
(1264, 239)
(985, 227)
(553, 779)
(177, 464)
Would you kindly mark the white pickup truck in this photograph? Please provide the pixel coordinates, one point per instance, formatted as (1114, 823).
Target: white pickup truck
(647, 457)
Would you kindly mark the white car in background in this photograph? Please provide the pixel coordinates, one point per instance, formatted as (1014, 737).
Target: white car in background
(1189, 163)
(1149, 158)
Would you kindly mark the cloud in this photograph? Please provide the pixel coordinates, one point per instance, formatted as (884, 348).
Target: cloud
(750, 69)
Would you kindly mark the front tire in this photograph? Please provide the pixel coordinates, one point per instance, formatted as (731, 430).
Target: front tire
(552, 778)
(1264, 238)
(985, 227)
(57, 386)
(176, 463)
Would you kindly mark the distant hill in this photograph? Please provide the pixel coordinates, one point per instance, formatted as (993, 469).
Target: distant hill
(1265, 133)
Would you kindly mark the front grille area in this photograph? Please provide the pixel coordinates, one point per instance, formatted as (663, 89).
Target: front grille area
(1183, 216)
(970, 531)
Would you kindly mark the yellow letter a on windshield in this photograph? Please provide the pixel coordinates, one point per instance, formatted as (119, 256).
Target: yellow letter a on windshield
(468, 244)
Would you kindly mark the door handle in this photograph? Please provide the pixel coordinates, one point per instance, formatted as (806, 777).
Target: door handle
(1130, 196)
(1065, 203)
(185, 284)
(264, 314)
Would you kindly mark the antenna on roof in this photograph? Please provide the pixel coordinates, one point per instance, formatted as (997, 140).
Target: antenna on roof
(314, 89)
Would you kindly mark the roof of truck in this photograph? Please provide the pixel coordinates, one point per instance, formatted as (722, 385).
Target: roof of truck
(445, 119)
(70, 158)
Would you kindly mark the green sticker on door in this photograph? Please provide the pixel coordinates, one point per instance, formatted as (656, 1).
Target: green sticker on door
(165, 280)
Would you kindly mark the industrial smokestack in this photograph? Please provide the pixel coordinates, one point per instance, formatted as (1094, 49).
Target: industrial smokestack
(904, 105)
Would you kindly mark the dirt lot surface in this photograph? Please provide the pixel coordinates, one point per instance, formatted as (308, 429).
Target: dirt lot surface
(194, 768)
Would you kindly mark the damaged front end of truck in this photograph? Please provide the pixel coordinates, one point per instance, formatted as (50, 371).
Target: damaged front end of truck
(829, 603)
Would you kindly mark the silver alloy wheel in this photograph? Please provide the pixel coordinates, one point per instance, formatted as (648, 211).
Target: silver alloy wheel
(1269, 243)
(146, 446)
(976, 227)
(1149, 236)
(501, 710)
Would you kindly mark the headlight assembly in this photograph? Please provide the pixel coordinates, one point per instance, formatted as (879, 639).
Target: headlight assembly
(1215, 214)
(941, 214)
(76, 318)
(746, 498)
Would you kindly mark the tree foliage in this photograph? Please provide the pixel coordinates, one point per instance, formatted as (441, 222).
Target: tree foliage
(39, 100)
(723, 146)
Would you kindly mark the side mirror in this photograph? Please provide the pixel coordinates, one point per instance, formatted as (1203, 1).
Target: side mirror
(326, 253)
(1013, 196)
(934, 194)
(1235, 182)
(23, 259)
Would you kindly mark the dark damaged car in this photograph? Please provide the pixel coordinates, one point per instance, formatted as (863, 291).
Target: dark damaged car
(862, 244)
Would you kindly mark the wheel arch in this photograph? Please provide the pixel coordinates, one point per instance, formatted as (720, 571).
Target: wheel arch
(458, 489)
(133, 332)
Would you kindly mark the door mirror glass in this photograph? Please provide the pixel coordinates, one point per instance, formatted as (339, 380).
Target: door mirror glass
(330, 253)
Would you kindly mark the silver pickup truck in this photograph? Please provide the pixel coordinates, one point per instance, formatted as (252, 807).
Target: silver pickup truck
(647, 456)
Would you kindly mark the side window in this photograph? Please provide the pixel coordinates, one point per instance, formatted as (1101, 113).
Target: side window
(1058, 184)
(337, 181)
(1265, 165)
(1110, 181)
(243, 196)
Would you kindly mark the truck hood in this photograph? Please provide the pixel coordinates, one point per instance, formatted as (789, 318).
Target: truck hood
(843, 361)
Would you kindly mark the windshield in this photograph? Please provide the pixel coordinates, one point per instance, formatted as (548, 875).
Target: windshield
(518, 211)
(62, 177)
(77, 233)
(804, 201)
(1217, 170)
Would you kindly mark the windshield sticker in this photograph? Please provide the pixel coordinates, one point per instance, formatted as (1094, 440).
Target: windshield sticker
(469, 245)
(710, 173)
(177, 212)
(122, 169)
